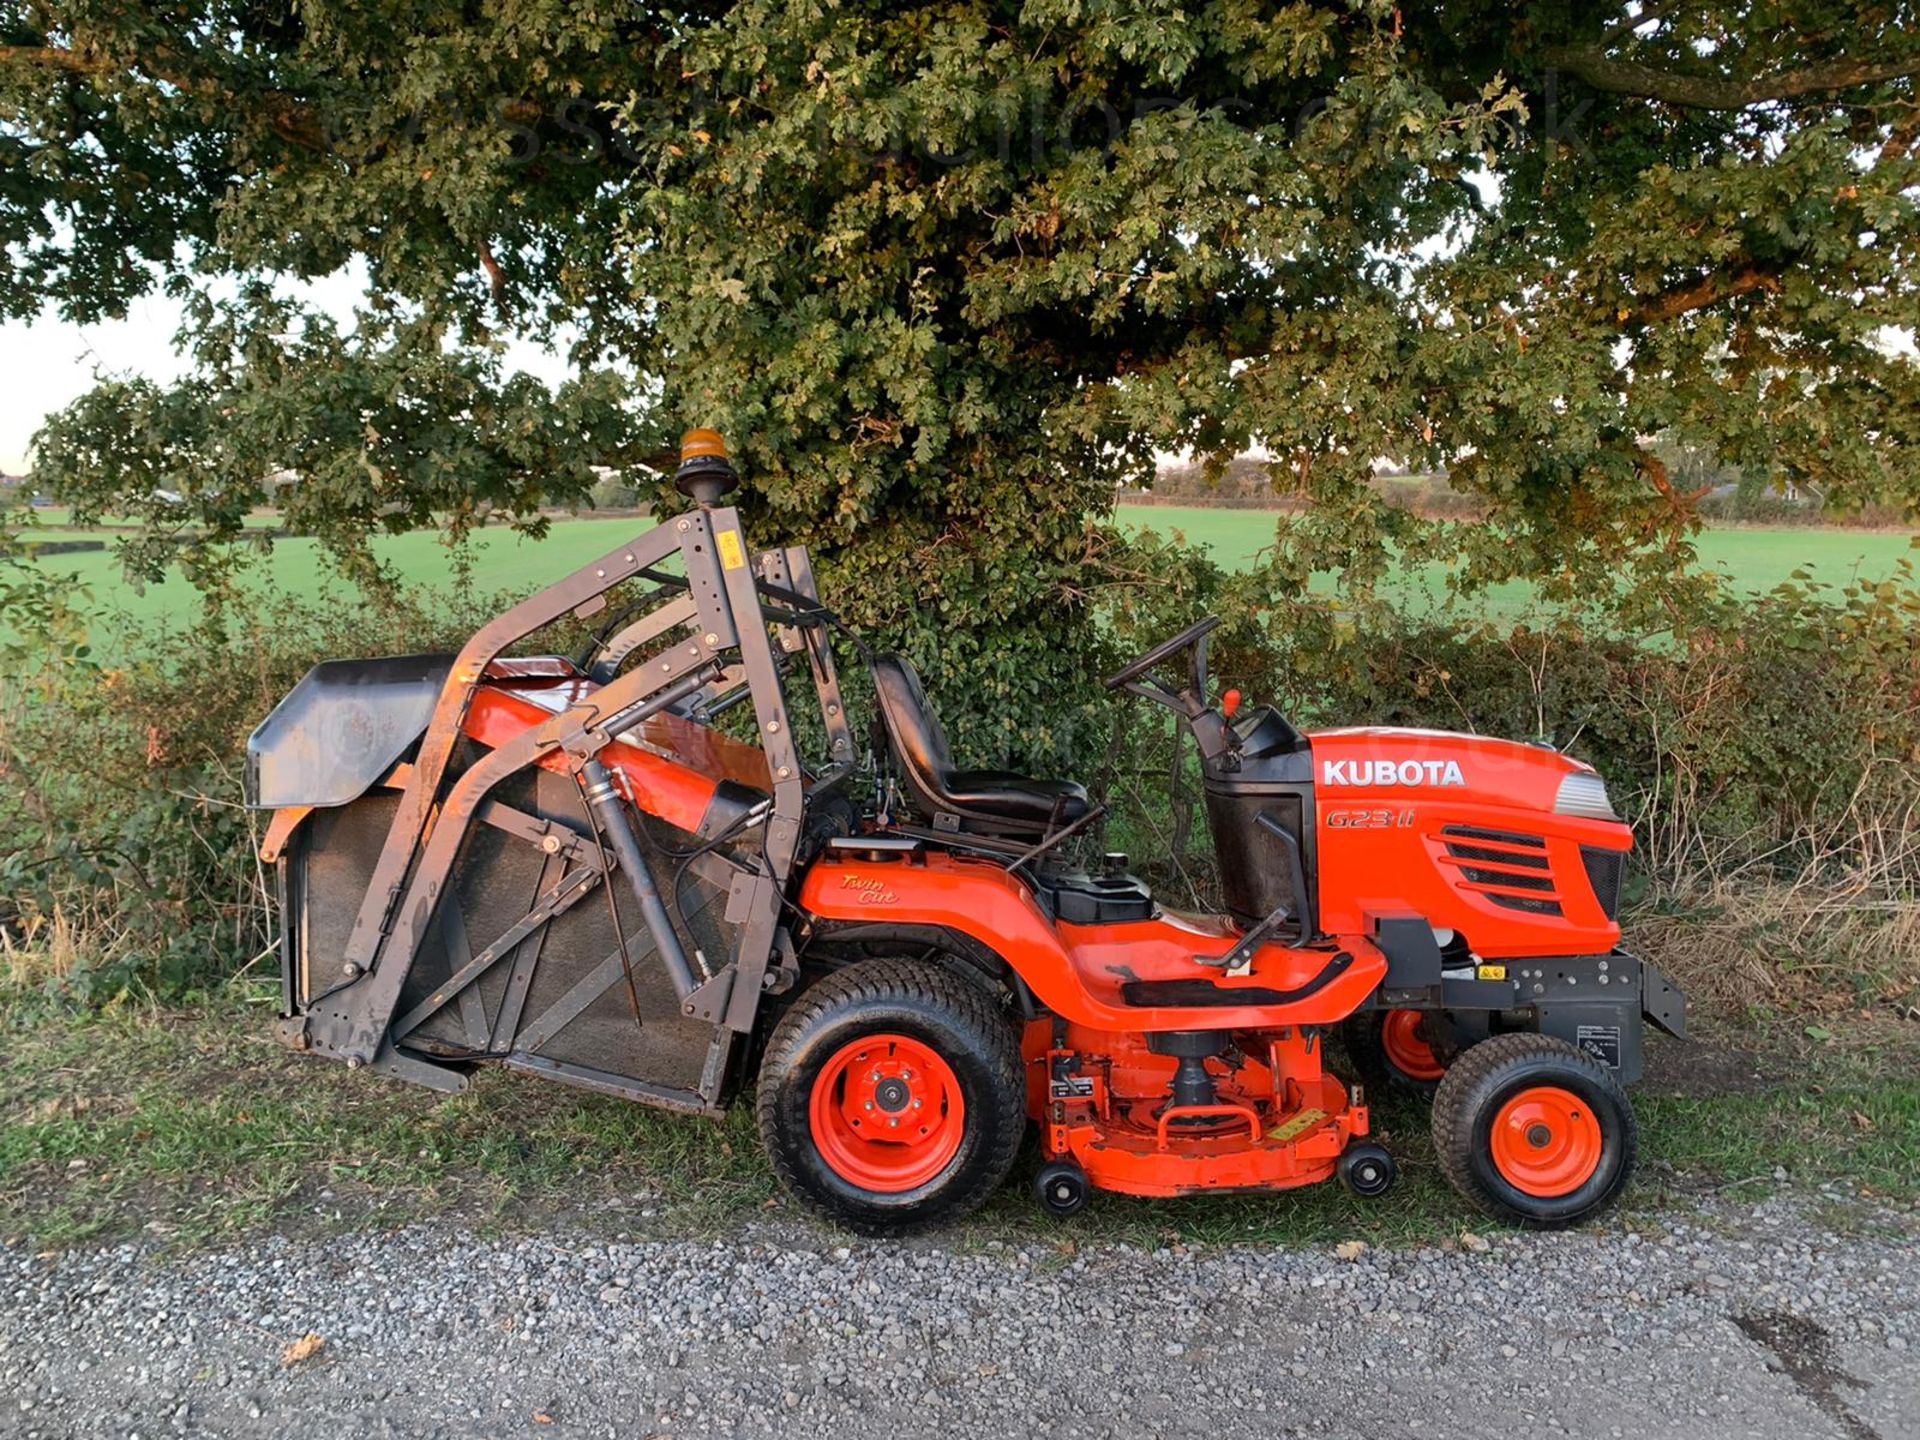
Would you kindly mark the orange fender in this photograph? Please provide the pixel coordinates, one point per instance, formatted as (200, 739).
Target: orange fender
(1079, 972)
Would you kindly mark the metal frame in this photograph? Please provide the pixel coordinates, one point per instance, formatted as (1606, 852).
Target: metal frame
(730, 646)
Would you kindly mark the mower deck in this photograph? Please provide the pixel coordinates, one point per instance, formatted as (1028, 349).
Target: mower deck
(1101, 1101)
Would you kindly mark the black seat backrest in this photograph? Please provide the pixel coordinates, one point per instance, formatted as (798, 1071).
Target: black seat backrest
(985, 802)
(919, 744)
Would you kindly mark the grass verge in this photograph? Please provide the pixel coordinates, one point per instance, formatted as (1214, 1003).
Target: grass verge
(191, 1128)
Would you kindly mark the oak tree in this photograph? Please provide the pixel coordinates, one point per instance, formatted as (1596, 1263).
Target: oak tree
(949, 272)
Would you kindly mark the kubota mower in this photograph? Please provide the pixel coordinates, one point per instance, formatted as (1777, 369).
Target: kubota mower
(581, 868)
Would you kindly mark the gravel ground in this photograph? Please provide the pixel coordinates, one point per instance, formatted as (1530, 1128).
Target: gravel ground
(1744, 1321)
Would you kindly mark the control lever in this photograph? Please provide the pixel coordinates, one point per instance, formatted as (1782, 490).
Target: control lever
(1242, 953)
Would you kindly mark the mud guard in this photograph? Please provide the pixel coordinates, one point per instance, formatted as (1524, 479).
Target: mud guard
(1106, 977)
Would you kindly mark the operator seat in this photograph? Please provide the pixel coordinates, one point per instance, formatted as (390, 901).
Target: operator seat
(990, 802)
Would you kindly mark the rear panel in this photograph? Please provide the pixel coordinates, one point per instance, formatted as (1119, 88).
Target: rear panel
(561, 994)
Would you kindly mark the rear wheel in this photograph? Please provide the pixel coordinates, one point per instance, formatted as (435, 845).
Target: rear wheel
(1395, 1048)
(892, 1096)
(1534, 1131)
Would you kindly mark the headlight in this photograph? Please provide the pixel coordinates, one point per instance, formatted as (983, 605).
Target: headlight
(1584, 795)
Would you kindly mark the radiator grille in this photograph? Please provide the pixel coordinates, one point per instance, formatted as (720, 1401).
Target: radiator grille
(1605, 870)
(1497, 857)
(1498, 837)
(1543, 883)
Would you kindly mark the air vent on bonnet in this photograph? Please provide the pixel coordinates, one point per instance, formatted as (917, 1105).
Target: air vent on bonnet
(1497, 837)
(1495, 863)
(1481, 876)
(1527, 903)
(1510, 858)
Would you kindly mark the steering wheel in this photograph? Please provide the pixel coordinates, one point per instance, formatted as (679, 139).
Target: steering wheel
(1164, 652)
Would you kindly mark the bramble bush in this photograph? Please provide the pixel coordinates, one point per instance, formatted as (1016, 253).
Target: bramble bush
(128, 864)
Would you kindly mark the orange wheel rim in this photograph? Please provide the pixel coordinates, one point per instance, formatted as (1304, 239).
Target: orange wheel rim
(1406, 1051)
(887, 1114)
(1547, 1142)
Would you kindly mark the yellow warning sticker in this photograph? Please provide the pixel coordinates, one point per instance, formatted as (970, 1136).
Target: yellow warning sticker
(1492, 972)
(1296, 1125)
(732, 556)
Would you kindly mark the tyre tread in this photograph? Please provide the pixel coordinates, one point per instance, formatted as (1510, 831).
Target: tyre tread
(1462, 1090)
(883, 980)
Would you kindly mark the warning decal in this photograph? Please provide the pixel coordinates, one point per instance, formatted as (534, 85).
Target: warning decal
(1602, 1042)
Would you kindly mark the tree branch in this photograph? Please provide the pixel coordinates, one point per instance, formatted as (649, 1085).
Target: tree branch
(287, 116)
(496, 278)
(1712, 290)
(1714, 92)
(54, 58)
(1627, 24)
(1680, 502)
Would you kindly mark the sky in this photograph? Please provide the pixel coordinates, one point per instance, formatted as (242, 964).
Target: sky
(47, 363)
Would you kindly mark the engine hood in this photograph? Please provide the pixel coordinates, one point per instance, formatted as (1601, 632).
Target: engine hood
(1376, 762)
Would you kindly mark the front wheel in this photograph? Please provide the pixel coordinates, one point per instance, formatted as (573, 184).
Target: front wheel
(892, 1096)
(1395, 1049)
(1534, 1131)
(1063, 1188)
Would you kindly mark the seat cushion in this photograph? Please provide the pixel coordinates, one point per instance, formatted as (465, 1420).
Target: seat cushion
(1014, 797)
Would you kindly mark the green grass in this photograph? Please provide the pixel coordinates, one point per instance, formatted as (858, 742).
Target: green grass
(502, 562)
(195, 1128)
(1754, 558)
(1853, 1125)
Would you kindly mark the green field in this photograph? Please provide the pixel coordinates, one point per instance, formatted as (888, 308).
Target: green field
(502, 561)
(60, 517)
(1753, 558)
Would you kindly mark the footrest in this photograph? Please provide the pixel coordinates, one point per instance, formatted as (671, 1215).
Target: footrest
(1199, 994)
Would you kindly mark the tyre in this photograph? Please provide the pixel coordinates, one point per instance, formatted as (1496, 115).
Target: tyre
(892, 1096)
(1389, 1048)
(1533, 1131)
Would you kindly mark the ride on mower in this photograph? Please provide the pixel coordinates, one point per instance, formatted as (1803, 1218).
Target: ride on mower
(595, 868)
